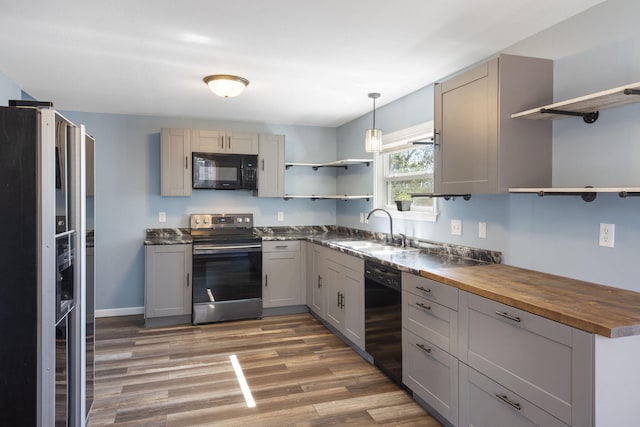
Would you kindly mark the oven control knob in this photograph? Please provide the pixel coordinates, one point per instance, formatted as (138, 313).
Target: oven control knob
(247, 220)
(206, 221)
(197, 220)
(239, 219)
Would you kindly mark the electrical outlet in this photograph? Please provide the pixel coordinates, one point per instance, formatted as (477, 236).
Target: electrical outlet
(162, 217)
(362, 217)
(482, 230)
(456, 227)
(280, 216)
(607, 235)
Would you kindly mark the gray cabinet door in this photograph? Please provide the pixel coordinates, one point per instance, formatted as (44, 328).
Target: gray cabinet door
(545, 362)
(485, 403)
(479, 147)
(353, 300)
(315, 286)
(167, 280)
(431, 373)
(175, 162)
(271, 166)
(466, 131)
(332, 279)
(282, 274)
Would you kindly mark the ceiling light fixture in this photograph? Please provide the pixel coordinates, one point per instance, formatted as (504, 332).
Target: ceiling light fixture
(226, 85)
(373, 136)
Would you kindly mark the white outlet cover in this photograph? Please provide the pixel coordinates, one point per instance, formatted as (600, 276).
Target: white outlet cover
(280, 216)
(162, 217)
(482, 230)
(456, 227)
(607, 235)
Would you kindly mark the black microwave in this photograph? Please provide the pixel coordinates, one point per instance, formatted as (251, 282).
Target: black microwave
(225, 171)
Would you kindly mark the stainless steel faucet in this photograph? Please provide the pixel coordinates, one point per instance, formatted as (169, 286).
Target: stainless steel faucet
(390, 220)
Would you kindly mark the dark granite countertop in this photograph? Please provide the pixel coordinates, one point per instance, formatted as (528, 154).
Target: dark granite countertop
(422, 254)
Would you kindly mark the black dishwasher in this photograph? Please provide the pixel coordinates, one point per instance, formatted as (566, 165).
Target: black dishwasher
(383, 318)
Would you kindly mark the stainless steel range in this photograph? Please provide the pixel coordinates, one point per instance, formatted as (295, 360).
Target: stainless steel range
(227, 268)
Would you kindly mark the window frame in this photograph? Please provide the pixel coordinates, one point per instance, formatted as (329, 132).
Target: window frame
(397, 141)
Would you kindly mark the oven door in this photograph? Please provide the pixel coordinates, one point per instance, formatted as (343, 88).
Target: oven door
(227, 282)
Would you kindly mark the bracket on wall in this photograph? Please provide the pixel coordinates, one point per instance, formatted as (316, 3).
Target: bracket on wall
(590, 117)
(444, 196)
(587, 196)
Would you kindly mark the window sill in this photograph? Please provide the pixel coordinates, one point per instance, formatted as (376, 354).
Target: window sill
(409, 215)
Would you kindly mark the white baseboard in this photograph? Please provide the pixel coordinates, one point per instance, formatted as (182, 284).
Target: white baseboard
(112, 312)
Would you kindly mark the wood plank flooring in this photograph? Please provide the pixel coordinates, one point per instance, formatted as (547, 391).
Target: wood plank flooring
(299, 373)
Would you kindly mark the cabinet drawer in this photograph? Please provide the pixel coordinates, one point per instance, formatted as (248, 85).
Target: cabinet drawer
(281, 246)
(430, 289)
(485, 403)
(431, 373)
(431, 321)
(545, 362)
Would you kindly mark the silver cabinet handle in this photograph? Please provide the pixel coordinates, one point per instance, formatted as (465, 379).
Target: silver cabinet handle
(262, 164)
(508, 401)
(508, 316)
(229, 143)
(421, 305)
(266, 280)
(342, 300)
(188, 280)
(424, 348)
(423, 289)
(319, 281)
(186, 162)
(222, 143)
(282, 246)
(338, 299)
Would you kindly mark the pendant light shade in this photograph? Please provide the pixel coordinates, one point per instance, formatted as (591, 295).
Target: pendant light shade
(226, 85)
(373, 136)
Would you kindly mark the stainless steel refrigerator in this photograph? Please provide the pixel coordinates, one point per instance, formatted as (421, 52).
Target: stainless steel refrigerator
(43, 264)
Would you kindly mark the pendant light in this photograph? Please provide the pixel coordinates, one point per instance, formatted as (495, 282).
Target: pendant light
(373, 136)
(226, 85)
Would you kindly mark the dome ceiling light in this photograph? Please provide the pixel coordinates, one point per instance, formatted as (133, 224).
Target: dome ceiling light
(226, 85)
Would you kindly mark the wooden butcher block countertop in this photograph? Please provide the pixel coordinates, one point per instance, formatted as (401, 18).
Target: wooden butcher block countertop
(603, 310)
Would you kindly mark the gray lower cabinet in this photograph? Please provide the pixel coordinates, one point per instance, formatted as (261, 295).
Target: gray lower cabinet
(344, 278)
(546, 363)
(167, 290)
(485, 403)
(282, 274)
(430, 343)
(479, 148)
(315, 255)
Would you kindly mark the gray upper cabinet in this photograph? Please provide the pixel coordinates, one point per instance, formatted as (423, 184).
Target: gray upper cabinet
(271, 165)
(175, 162)
(479, 147)
(214, 141)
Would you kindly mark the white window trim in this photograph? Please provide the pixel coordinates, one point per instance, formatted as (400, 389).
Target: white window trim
(395, 141)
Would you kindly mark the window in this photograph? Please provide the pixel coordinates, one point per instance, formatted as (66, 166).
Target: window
(403, 168)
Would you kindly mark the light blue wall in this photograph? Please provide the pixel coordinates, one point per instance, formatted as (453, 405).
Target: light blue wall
(8, 90)
(553, 234)
(128, 193)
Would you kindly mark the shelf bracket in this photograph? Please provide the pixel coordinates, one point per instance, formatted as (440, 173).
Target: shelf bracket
(625, 194)
(287, 167)
(587, 196)
(587, 117)
(445, 196)
(631, 92)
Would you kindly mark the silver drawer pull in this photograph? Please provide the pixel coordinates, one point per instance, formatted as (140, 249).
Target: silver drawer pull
(421, 305)
(508, 316)
(508, 401)
(282, 246)
(423, 348)
(423, 289)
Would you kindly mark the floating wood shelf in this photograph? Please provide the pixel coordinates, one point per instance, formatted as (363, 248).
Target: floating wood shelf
(588, 194)
(329, 197)
(587, 106)
(336, 164)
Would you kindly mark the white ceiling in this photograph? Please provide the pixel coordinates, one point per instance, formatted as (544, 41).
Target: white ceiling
(309, 62)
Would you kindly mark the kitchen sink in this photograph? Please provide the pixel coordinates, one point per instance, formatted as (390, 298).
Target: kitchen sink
(374, 248)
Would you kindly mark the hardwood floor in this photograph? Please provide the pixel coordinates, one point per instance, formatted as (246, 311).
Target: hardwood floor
(299, 373)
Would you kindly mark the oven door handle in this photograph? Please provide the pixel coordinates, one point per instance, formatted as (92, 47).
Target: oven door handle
(205, 250)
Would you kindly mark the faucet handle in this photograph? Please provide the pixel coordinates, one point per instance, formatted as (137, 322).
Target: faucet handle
(403, 240)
